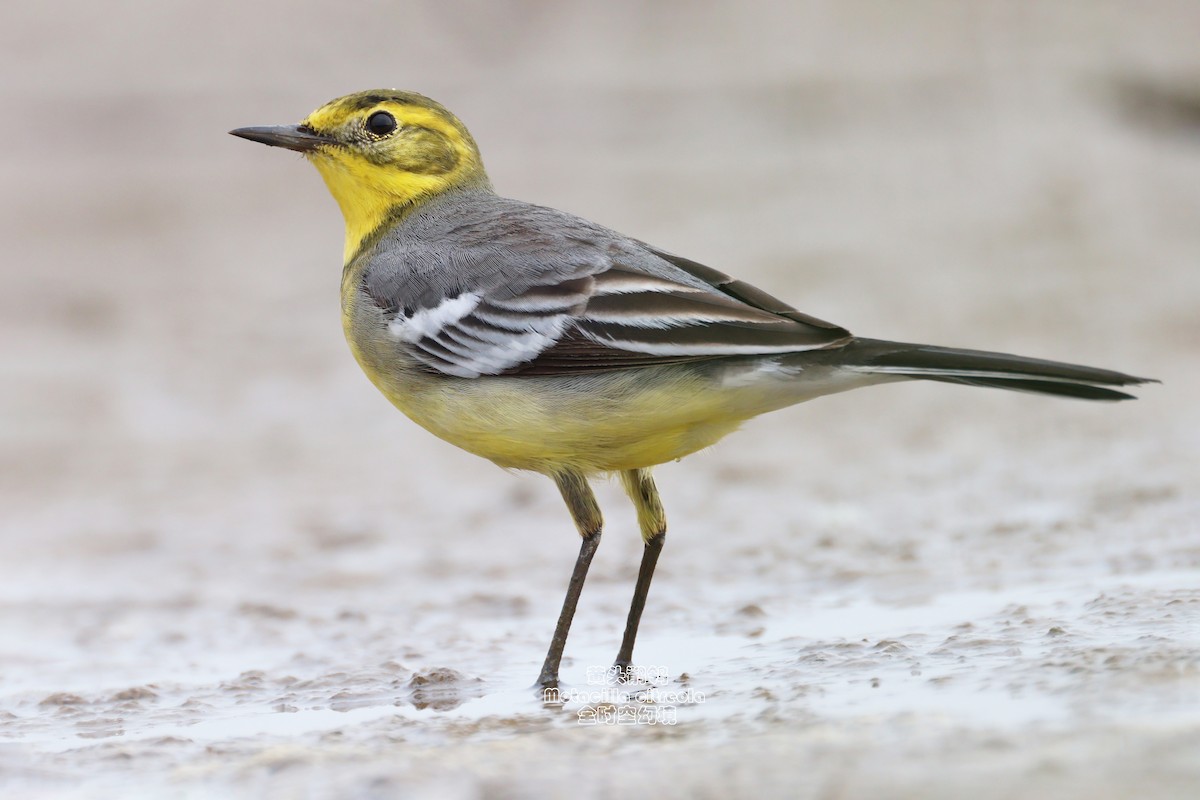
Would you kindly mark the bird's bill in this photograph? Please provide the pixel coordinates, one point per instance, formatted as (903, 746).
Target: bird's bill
(293, 137)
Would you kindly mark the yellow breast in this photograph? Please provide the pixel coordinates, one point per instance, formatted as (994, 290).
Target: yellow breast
(598, 422)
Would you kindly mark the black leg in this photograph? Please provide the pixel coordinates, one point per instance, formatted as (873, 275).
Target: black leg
(639, 485)
(586, 513)
(549, 677)
(649, 559)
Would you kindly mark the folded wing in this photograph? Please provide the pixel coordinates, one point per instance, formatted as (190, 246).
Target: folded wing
(558, 299)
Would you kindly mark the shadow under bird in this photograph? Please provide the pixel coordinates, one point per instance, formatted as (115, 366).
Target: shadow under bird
(545, 342)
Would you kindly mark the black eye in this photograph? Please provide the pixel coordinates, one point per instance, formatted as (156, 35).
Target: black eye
(381, 123)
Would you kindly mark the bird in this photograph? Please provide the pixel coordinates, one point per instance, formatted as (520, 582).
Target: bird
(545, 342)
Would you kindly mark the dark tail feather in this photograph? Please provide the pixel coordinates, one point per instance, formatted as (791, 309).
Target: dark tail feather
(981, 368)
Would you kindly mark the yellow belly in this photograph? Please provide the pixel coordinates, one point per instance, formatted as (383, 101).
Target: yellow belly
(596, 423)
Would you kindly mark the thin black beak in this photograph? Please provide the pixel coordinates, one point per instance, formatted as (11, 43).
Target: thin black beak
(293, 137)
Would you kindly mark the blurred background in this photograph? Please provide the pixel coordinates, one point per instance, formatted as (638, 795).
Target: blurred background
(197, 482)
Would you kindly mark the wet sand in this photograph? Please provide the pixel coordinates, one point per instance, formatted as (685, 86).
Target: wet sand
(230, 569)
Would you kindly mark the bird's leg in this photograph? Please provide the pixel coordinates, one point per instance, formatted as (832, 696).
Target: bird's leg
(653, 523)
(586, 512)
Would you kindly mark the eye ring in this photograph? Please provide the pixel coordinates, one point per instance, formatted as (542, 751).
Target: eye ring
(381, 123)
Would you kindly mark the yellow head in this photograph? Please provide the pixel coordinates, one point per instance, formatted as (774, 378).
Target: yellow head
(381, 152)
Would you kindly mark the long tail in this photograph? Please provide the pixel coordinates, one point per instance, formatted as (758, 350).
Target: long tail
(981, 368)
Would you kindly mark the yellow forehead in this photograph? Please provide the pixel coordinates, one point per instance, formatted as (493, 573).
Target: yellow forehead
(407, 107)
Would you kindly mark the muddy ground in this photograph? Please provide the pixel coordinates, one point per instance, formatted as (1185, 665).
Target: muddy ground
(230, 569)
